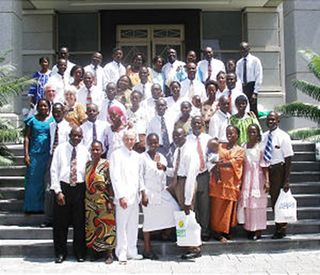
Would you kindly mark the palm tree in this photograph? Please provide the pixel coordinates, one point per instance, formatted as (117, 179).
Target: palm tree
(10, 86)
(306, 110)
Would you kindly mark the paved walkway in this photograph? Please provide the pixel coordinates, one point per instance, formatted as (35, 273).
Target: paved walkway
(303, 262)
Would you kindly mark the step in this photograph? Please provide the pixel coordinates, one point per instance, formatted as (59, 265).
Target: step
(9, 218)
(11, 205)
(44, 248)
(305, 212)
(307, 199)
(304, 156)
(304, 176)
(12, 181)
(312, 187)
(303, 166)
(17, 170)
(301, 146)
(11, 193)
(19, 160)
(16, 149)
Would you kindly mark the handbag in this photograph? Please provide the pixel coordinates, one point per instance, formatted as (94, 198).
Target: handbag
(285, 209)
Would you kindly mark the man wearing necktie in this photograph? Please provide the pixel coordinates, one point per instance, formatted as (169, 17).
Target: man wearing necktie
(67, 182)
(277, 155)
(249, 71)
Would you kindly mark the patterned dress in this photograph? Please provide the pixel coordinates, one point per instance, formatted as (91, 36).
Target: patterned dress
(36, 90)
(100, 222)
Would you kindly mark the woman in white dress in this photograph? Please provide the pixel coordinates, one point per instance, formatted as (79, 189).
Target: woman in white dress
(160, 205)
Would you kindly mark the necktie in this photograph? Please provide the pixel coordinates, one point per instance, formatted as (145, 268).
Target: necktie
(191, 89)
(73, 167)
(95, 75)
(94, 132)
(143, 90)
(164, 134)
(110, 104)
(200, 153)
(56, 139)
(89, 98)
(209, 70)
(244, 71)
(176, 167)
(268, 149)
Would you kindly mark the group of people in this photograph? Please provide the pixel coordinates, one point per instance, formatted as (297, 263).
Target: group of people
(100, 141)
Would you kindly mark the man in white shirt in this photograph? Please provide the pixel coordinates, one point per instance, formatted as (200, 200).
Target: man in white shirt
(183, 173)
(234, 92)
(60, 80)
(277, 154)
(249, 71)
(124, 173)
(64, 54)
(93, 129)
(67, 181)
(89, 93)
(109, 101)
(114, 69)
(59, 133)
(96, 70)
(209, 67)
(198, 141)
(149, 105)
(172, 68)
(144, 87)
(191, 86)
(220, 120)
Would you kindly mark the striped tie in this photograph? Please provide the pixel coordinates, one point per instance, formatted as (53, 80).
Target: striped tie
(268, 150)
(73, 167)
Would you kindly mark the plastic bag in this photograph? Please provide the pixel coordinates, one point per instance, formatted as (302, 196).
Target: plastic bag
(187, 229)
(285, 209)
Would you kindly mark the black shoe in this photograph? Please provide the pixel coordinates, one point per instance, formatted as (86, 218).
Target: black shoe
(191, 255)
(150, 255)
(205, 238)
(80, 259)
(278, 235)
(45, 224)
(59, 259)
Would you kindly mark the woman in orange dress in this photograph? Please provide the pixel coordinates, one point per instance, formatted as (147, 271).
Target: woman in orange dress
(225, 192)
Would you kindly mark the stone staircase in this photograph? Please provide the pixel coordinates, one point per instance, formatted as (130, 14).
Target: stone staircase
(20, 235)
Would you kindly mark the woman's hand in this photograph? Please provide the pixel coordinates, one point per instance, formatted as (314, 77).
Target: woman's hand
(27, 160)
(110, 206)
(144, 199)
(266, 187)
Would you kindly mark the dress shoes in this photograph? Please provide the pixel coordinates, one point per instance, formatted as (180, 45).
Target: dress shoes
(45, 224)
(191, 255)
(205, 238)
(150, 255)
(278, 235)
(60, 259)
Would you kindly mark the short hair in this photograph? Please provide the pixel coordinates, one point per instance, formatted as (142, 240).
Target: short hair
(70, 90)
(96, 142)
(255, 125)
(175, 82)
(76, 67)
(235, 127)
(49, 85)
(211, 82)
(154, 60)
(45, 100)
(57, 105)
(129, 132)
(221, 72)
(241, 98)
(114, 50)
(44, 58)
(151, 135)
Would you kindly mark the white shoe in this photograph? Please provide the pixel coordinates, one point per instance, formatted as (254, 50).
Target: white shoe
(135, 257)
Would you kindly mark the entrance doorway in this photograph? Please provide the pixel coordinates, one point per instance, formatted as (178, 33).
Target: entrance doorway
(150, 40)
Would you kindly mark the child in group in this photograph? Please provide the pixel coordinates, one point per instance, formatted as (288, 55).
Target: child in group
(212, 156)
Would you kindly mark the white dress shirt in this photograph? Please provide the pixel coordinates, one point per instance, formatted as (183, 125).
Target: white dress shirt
(63, 132)
(154, 126)
(96, 95)
(138, 119)
(218, 125)
(223, 93)
(196, 87)
(254, 71)
(61, 161)
(158, 78)
(188, 167)
(170, 70)
(98, 73)
(105, 105)
(193, 143)
(60, 83)
(113, 70)
(144, 89)
(124, 173)
(88, 133)
(113, 140)
(216, 66)
(67, 71)
(149, 105)
(281, 145)
(174, 107)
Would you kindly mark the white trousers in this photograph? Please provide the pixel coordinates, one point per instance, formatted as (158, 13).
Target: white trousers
(127, 221)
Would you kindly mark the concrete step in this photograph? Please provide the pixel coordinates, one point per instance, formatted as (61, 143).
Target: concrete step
(44, 248)
(16, 149)
(17, 170)
(312, 187)
(304, 156)
(11, 218)
(300, 146)
(7, 193)
(13, 181)
(303, 166)
(11, 205)
(307, 199)
(304, 176)
(308, 212)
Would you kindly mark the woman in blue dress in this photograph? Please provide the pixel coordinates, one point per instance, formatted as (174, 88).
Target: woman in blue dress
(36, 91)
(36, 155)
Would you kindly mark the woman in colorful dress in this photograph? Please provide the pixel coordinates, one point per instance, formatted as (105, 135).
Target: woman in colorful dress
(242, 120)
(225, 192)
(124, 89)
(36, 156)
(100, 211)
(255, 186)
(36, 91)
(160, 205)
(210, 106)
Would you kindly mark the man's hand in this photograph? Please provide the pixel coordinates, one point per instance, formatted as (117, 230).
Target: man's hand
(123, 203)
(286, 187)
(144, 199)
(60, 199)
(187, 209)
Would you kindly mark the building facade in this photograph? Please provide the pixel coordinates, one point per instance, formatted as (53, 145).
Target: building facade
(34, 28)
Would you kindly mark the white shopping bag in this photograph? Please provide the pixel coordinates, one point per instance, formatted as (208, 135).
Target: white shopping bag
(187, 229)
(285, 209)
(240, 213)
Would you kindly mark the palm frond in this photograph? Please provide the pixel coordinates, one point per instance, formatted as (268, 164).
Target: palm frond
(6, 157)
(307, 88)
(313, 60)
(309, 134)
(300, 109)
